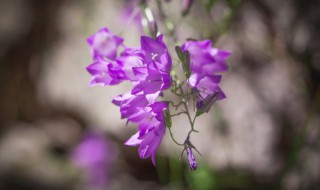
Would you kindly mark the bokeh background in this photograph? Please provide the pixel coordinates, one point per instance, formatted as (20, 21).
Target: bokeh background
(58, 133)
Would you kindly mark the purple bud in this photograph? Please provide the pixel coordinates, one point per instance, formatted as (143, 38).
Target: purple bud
(192, 161)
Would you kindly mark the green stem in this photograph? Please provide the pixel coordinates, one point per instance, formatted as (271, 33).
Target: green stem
(183, 112)
(186, 107)
(174, 140)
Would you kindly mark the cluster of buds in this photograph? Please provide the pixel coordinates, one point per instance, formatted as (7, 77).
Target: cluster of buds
(149, 69)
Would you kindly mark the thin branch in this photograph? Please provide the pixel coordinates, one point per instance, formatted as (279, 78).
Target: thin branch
(174, 140)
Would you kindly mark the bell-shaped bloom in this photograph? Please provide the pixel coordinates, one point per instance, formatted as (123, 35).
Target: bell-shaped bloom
(125, 67)
(129, 104)
(155, 82)
(130, 62)
(158, 64)
(205, 60)
(104, 73)
(104, 44)
(206, 63)
(151, 131)
(156, 53)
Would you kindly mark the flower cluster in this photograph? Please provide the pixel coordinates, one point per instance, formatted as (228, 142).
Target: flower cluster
(148, 68)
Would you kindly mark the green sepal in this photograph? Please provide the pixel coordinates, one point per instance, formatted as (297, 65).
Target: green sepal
(186, 64)
(199, 112)
(185, 60)
(179, 53)
(167, 118)
(208, 102)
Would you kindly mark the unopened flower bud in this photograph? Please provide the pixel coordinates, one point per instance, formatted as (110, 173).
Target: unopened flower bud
(192, 161)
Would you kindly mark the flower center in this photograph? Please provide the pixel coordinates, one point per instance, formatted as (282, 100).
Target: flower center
(154, 56)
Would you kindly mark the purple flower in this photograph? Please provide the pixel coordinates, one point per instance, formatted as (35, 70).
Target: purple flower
(206, 63)
(150, 66)
(140, 105)
(192, 161)
(155, 82)
(125, 67)
(207, 86)
(94, 154)
(205, 60)
(153, 78)
(104, 44)
(151, 131)
(148, 69)
(130, 62)
(105, 73)
(129, 105)
(158, 65)
(204, 104)
(156, 53)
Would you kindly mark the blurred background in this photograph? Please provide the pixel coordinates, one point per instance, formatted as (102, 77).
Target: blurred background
(58, 133)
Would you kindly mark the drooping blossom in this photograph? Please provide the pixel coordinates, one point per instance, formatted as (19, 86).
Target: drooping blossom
(104, 44)
(158, 65)
(151, 130)
(207, 92)
(95, 155)
(130, 62)
(104, 47)
(103, 73)
(154, 83)
(129, 104)
(206, 64)
(156, 53)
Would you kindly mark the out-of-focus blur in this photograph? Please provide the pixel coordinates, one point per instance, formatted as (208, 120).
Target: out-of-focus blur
(58, 133)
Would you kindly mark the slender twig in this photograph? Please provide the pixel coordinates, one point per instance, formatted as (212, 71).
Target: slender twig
(174, 140)
(186, 107)
(175, 106)
(183, 112)
(176, 26)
